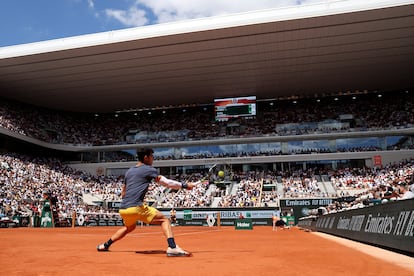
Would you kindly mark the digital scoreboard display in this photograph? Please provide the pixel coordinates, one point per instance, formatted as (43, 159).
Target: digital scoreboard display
(228, 108)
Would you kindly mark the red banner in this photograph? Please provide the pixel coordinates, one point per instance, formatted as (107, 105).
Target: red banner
(377, 160)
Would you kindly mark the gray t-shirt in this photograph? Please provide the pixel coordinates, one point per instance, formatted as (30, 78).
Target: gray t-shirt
(137, 180)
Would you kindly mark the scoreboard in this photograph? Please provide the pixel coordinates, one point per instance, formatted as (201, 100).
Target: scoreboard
(228, 108)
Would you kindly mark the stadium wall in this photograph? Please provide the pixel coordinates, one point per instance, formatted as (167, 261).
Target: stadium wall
(389, 225)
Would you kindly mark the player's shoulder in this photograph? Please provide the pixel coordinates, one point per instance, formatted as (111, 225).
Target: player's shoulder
(150, 169)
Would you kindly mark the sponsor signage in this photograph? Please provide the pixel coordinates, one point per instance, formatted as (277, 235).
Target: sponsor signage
(197, 216)
(301, 207)
(389, 225)
(243, 224)
(306, 202)
(224, 214)
(93, 219)
(187, 214)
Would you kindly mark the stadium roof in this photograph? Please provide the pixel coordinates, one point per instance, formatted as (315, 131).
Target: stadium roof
(296, 51)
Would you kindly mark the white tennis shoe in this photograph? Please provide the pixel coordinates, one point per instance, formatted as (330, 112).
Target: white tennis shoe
(177, 252)
(101, 247)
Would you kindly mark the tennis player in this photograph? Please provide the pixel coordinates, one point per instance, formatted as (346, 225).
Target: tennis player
(133, 208)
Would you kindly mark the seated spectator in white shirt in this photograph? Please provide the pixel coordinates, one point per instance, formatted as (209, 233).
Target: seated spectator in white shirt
(404, 191)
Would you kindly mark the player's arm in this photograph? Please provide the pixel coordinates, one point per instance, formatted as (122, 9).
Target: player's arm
(173, 184)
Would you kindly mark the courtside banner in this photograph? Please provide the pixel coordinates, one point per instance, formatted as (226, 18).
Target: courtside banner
(196, 216)
(308, 222)
(302, 206)
(227, 217)
(98, 219)
(390, 225)
(224, 214)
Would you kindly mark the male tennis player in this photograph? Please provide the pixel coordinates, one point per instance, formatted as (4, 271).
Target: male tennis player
(133, 208)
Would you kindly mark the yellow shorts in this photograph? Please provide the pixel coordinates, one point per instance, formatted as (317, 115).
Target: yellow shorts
(143, 213)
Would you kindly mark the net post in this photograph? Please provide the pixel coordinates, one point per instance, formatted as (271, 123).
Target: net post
(218, 219)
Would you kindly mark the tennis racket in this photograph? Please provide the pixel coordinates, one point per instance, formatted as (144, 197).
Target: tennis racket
(208, 176)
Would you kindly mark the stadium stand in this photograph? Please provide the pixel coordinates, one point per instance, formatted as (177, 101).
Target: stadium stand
(81, 156)
(374, 111)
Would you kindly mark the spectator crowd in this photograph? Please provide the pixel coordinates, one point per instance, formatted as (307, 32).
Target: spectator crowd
(24, 178)
(284, 117)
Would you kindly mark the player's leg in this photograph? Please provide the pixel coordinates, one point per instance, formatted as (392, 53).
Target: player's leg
(122, 232)
(159, 218)
(173, 249)
(115, 237)
(130, 217)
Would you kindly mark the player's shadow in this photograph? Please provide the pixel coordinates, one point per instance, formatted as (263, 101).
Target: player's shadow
(149, 252)
(163, 252)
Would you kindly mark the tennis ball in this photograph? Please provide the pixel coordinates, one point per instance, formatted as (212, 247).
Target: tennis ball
(220, 174)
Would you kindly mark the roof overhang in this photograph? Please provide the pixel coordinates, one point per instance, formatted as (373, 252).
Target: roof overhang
(306, 50)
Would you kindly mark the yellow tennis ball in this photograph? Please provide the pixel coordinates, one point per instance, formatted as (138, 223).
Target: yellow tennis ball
(220, 174)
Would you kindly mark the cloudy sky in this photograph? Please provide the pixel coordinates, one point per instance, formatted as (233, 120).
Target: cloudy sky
(25, 21)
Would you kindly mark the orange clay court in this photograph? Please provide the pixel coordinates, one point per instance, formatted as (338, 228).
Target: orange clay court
(216, 251)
